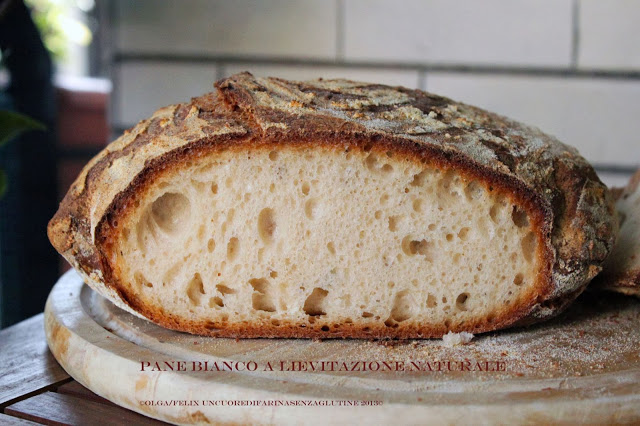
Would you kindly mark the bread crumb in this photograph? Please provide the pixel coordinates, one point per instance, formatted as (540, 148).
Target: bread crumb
(455, 339)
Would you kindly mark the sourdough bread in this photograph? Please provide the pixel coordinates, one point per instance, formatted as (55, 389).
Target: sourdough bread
(621, 271)
(333, 208)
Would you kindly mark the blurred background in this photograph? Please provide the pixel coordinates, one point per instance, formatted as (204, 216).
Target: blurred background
(88, 69)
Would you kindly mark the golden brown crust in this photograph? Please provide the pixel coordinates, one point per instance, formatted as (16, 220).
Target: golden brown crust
(571, 209)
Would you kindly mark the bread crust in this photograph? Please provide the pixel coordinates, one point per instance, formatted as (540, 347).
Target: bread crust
(571, 209)
(621, 272)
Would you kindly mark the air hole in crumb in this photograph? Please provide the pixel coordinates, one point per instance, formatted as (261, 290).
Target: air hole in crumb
(461, 301)
(473, 191)
(311, 209)
(393, 223)
(170, 211)
(195, 289)
(418, 179)
(261, 299)
(412, 247)
(447, 179)
(529, 246)
(367, 315)
(462, 234)
(449, 237)
(402, 308)
(233, 247)
(224, 290)
(494, 213)
(372, 164)
(519, 217)
(211, 245)
(417, 205)
(140, 280)
(306, 188)
(216, 301)
(331, 248)
(313, 305)
(273, 155)
(325, 328)
(519, 279)
(273, 274)
(431, 301)
(266, 225)
(377, 214)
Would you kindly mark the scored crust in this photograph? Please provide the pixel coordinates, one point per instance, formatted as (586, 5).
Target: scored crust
(571, 209)
(621, 271)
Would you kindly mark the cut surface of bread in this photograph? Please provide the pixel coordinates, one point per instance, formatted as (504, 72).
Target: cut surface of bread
(621, 271)
(335, 209)
(304, 236)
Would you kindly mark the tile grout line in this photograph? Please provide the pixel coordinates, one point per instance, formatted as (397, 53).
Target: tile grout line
(575, 33)
(532, 71)
(340, 30)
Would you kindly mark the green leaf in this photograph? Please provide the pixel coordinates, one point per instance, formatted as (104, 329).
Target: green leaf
(12, 124)
(3, 183)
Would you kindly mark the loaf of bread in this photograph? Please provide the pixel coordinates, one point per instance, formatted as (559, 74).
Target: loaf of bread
(621, 271)
(332, 208)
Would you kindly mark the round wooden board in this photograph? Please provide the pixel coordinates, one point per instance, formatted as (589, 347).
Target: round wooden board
(582, 367)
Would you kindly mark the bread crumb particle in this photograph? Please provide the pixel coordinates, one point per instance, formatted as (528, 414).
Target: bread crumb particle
(454, 339)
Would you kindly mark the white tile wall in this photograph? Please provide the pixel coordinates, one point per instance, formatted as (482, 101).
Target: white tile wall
(609, 34)
(142, 88)
(598, 116)
(401, 40)
(305, 28)
(405, 78)
(513, 32)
